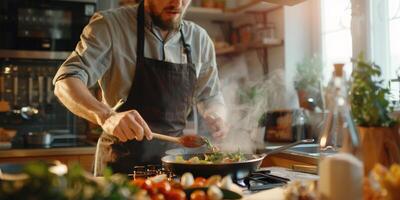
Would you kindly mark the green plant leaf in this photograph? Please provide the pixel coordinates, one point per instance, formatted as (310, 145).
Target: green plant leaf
(368, 97)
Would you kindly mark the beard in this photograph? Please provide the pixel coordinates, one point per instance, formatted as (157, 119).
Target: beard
(167, 25)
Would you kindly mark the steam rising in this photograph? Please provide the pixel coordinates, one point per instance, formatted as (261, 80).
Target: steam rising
(247, 102)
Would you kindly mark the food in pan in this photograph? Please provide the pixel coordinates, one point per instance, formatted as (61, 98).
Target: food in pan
(213, 158)
(216, 156)
(211, 147)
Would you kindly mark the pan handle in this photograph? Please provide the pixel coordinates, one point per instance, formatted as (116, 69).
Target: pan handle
(284, 147)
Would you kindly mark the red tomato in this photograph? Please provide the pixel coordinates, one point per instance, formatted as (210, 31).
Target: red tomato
(149, 187)
(176, 194)
(157, 197)
(198, 195)
(199, 182)
(138, 182)
(164, 187)
(200, 179)
(175, 185)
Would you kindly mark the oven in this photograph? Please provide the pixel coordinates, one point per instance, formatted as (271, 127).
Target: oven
(43, 25)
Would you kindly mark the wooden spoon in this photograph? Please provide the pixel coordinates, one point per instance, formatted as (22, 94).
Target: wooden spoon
(190, 141)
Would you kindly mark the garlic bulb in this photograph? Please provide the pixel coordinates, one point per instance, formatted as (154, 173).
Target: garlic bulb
(214, 193)
(187, 180)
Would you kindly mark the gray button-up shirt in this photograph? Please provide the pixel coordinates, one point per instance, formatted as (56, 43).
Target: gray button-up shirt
(106, 54)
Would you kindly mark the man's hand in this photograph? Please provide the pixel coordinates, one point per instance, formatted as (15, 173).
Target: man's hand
(217, 125)
(128, 125)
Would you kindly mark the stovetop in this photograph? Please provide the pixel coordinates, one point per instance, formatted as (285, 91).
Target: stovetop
(261, 180)
(256, 181)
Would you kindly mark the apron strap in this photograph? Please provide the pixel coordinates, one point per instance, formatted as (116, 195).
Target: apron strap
(188, 49)
(140, 35)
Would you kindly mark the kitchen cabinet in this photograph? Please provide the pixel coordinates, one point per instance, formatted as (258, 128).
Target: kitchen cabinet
(82, 155)
(288, 160)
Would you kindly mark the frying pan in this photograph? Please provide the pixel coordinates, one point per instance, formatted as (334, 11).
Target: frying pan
(236, 170)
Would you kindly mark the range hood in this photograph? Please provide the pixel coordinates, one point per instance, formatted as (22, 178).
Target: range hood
(284, 2)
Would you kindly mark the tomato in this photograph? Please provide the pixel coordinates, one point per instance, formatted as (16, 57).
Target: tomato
(157, 197)
(175, 185)
(199, 182)
(149, 187)
(164, 187)
(200, 179)
(176, 194)
(198, 195)
(138, 182)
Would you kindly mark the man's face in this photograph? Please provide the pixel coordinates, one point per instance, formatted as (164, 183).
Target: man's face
(167, 14)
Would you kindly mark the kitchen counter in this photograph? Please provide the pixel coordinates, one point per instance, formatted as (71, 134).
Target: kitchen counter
(29, 152)
(278, 193)
(82, 154)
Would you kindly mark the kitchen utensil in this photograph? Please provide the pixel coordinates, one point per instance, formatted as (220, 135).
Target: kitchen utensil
(237, 170)
(15, 86)
(27, 112)
(190, 140)
(46, 138)
(4, 105)
(41, 89)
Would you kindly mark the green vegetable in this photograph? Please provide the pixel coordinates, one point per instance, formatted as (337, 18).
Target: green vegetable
(215, 157)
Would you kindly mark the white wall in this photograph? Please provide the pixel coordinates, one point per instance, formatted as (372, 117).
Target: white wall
(300, 35)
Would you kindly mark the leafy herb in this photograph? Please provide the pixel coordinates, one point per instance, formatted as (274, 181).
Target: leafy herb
(215, 157)
(308, 74)
(211, 147)
(368, 101)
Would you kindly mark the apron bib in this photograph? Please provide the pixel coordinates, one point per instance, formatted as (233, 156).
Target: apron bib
(162, 93)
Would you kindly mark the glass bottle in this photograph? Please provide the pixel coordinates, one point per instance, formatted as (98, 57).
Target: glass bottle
(339, 133)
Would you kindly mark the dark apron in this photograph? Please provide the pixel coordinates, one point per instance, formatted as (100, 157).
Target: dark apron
(162, 93)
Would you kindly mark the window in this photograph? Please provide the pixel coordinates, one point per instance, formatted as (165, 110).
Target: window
(336, 33)
(394, 38)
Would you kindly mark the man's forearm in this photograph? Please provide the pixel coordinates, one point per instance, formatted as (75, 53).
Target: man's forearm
(73, 93)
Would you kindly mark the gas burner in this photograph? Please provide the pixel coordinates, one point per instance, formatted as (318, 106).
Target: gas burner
(146, 171)
(262, 180)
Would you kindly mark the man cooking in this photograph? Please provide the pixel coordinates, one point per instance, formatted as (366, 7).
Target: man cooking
(158, 64)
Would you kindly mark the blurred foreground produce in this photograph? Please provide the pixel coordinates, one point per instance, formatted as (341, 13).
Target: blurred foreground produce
(56, 181)
(44, 181)
(189, 188)
(383, 183)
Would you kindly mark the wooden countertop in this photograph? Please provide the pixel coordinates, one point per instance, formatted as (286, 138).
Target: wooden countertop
(7, 153)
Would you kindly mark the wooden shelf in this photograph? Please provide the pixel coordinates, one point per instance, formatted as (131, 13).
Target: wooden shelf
(214, 14)
(254, 6)
(239, 48)
(195, 13)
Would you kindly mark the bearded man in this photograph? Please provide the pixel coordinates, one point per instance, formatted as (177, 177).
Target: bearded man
(158, 65)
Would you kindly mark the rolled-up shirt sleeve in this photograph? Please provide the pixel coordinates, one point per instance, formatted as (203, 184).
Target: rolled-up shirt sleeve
(92, 55)
(209, 96)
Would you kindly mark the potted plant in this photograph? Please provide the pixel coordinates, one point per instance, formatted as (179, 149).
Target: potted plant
(379, 132)
(308, 83)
